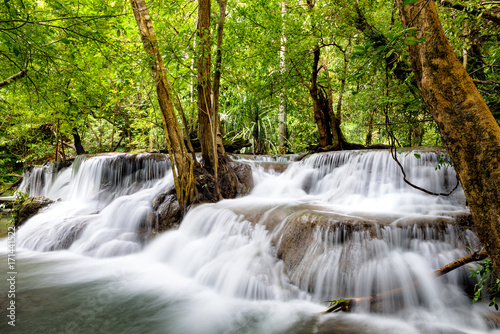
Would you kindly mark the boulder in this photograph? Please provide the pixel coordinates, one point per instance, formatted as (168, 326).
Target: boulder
(24, 209)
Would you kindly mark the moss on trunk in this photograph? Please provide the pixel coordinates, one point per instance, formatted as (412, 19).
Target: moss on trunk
(468, 129)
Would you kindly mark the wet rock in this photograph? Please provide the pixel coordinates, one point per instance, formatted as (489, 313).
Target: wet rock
(71, 233)
(243, 172)
(310, 238)
(167, 213)
(24, 209)
(278, 167)
(300, 232)
(343, 326)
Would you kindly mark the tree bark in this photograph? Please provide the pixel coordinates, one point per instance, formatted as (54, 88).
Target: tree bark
(78, 142)
(282, 130)
(256, 133)
(206, 119)
(369, 134)
(321, 117)
(57, 134)
(468, 129)
(217, 74)
(182, 165)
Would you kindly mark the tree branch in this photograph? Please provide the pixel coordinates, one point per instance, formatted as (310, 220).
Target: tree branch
(14, 78)
(485, 14)
(393, 153)
(486, 82)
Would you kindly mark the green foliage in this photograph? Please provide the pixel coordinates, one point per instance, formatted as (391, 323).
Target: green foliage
(21, 197)
(338, 305)
(489, 283)
(88, 75)
(444, 161)
(409, 2)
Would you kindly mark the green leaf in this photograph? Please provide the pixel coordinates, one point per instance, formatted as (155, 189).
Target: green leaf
(414, 41)
(409, 2)
(421, 39)
(15, 48)
(417, 155)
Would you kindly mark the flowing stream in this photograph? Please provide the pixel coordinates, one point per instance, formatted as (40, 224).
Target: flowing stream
(334, 225)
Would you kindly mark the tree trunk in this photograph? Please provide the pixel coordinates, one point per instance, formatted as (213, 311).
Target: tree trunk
(206, 120)
(369, 134)
(468, 129)
(319, 103)
(182, 165)
(282, 131)
(217, 74)
(256, 133)
(56, 150)
(78, 142)
(63, 154)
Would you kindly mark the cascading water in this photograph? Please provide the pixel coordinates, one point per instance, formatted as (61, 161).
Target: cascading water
(336, 225)
(102, 201)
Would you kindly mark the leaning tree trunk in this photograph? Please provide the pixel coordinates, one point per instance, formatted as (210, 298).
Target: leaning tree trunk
(182, 165)
(468, 129)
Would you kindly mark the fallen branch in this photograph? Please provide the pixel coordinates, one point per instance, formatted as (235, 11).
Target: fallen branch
(476, 256)
(346, 305)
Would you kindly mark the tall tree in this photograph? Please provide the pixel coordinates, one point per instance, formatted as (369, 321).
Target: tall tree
(468, 129)
(282, 132)
(217, 74)
(206, 116)
(321, 107)
(182, 165)
(320, 104)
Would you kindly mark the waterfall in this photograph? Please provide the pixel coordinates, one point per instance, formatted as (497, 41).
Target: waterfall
(101, 203)
(334, 225)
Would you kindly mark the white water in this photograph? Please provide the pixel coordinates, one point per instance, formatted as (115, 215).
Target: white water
(219, 272)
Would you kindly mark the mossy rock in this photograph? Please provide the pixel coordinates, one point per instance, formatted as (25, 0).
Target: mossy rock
(24, 209)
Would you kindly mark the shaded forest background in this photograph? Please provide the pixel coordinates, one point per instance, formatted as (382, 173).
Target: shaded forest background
(74, 72)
